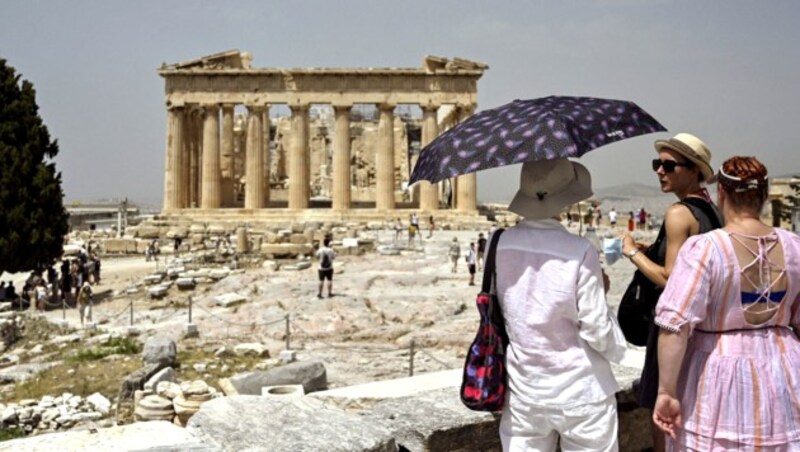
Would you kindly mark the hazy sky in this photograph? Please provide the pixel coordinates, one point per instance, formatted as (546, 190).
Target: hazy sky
(728, 71)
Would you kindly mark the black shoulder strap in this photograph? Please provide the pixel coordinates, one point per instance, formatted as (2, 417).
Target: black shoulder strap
(489, 270)
(705, 212)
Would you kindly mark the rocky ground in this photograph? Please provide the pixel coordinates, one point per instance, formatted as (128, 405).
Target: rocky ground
(381, 303)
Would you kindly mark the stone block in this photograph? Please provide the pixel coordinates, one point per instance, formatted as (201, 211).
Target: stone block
(437, 420)
(160, 350)
(186, 283)
(149, 436)
(251, 349)
(147, 232)
(159, 291)
(219, 273)
(302, 265)
(298, 228)
(197, 228)
(287, 356)
(295, 423)
(310, 374)
(177, 232)
(120, 246)
(286, 250)
(100, 403)
(298, 239)
(231, 299)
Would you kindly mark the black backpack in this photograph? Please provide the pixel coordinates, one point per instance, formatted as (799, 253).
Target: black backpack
(325, 263)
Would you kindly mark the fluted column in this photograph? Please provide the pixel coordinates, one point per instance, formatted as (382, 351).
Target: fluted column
(193, 160)
(341, 159)
(173, 177)
(211, 182)
(467, 185)
(265, 179)
(384, 159)
(299, 171)
(429, 193)
(226, 162)
(254, 159)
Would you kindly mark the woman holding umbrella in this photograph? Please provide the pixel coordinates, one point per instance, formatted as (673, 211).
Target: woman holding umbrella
(729, 321)
(682, 166)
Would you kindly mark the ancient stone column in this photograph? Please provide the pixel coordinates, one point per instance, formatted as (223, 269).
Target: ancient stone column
(185, 159)
(299, 171)
(194, 157)
(467, 185)
(173, 181)
(384, 159)
(267, 164)
(211, 197)
(254, 166)
(429, 193)
(341, 159)
(226, 163)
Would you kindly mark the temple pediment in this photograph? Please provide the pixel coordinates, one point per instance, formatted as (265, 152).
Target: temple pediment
(230, 59)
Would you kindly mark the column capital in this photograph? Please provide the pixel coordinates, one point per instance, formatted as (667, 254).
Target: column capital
(298, 106)
(255, 108)
(210, 106)
(430, 106)
(386, 106)
(228, 106)
(342, 107)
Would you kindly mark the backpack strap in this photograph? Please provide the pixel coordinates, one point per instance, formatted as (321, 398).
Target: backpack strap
(704, 212)
(489, 269)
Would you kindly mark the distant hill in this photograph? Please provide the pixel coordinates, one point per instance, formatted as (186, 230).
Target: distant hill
(627, 191)
(629, 197)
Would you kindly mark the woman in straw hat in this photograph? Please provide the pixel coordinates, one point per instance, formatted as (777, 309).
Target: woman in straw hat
(729, 319)
(683, 165)
(561, 332)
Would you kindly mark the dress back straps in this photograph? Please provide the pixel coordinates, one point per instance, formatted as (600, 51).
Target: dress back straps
(764, 281)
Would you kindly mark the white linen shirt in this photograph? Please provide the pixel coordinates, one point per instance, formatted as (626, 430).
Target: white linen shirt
(562, 333)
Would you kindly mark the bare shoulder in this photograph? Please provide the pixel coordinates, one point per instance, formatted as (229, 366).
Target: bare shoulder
(679, 215)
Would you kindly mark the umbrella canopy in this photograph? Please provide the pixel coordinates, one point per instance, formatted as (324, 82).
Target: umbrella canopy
(545, 128)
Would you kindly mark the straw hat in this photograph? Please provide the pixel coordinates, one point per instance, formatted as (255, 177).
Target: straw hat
(692, 148)
(547, 186)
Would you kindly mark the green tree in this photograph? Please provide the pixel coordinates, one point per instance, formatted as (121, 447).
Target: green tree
(791, 201)
(33, 220)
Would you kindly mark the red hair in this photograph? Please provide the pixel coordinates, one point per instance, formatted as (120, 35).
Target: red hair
(744, 180)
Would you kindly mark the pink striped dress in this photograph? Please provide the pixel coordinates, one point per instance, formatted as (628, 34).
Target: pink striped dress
(739, 389)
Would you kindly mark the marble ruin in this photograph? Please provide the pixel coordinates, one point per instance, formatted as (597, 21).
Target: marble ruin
(225, 154)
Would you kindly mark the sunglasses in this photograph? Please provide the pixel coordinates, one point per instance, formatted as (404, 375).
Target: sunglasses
(668, 165)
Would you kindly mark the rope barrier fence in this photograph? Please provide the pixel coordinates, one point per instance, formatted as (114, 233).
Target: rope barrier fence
(293, 330)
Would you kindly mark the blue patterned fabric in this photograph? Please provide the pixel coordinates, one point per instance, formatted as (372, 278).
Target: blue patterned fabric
(546, 128)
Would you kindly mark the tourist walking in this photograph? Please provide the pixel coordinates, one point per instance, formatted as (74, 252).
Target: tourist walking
(85, 302)
(561, 332)
(612, 218)
(431, 226)
(413, 229)
(66, 283)
(481, 250)
(682, 166)
(398, 230)
(642, 219)
(454, 252)
(729, 316)
(472, 261)
(326, 255)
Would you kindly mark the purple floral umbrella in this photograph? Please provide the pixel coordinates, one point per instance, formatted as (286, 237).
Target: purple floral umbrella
(545, 128)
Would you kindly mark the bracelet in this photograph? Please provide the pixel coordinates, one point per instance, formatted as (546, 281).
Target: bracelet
(631, 254)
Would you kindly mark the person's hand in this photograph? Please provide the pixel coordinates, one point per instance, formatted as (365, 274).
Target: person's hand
(606, 281)
(628, 244)
(667, 414)
(642, 246)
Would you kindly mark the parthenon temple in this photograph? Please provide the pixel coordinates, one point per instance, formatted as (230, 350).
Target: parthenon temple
(346, 147)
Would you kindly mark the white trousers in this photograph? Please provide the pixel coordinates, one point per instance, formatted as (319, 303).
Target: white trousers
(590, 427)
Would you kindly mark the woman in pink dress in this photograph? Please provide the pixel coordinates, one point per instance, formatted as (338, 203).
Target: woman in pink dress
(728, 351)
